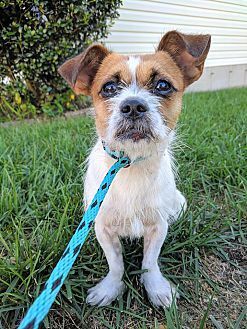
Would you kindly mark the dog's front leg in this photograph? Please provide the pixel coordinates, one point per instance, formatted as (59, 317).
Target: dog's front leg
(158, 288)
(112, 285)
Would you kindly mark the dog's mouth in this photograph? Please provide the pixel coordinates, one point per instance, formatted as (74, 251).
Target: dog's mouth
(135, 131)
(133, 134)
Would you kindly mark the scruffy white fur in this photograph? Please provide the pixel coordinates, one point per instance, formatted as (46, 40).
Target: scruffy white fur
(141, 201)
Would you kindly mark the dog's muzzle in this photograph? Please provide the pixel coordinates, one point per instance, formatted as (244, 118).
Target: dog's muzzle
(135, 123)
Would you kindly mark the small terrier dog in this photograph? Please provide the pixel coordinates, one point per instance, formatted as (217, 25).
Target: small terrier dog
(137, 102)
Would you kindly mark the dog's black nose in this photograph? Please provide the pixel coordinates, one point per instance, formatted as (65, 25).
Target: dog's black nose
(133, 108)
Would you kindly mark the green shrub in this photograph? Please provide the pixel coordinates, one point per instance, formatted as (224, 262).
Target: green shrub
(37, 36)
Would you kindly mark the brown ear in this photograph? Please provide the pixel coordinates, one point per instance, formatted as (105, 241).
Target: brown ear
(80, 70)
(188, 51)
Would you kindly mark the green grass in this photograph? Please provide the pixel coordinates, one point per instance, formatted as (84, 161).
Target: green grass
(204, 254)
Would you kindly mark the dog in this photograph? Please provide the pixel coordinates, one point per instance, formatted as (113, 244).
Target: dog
(137, 101)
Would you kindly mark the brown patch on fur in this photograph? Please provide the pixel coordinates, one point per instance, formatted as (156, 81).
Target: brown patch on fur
(112, 66)
(165, 69)
(171, 109)
(163, 65)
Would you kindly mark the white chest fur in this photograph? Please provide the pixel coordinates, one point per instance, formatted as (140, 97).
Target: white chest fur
(139, 196)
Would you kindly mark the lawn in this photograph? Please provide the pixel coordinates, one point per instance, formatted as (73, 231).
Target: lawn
(42, 166)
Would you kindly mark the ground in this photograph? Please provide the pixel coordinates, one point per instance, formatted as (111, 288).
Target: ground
(42, 167)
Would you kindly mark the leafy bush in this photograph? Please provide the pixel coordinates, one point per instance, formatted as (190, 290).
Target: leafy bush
(37, 36)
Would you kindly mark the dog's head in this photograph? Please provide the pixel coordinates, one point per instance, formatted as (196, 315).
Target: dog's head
(138, 99)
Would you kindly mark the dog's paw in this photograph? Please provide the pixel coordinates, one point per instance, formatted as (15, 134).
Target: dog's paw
(105, 292)
(159, 290)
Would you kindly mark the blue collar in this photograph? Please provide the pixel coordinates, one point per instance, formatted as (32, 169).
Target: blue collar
(119, 154)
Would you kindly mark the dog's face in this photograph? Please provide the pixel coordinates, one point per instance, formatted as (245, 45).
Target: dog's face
(138, 99)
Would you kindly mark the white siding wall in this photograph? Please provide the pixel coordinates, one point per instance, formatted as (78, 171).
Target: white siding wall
(142, 23)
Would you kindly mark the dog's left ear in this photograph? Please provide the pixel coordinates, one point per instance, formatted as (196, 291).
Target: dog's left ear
(188, 51)
(80, 70)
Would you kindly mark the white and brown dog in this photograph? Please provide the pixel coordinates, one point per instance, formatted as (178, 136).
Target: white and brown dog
(137, 102)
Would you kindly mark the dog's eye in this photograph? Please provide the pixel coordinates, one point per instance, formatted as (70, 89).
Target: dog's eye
(163, 87)
(109, 89)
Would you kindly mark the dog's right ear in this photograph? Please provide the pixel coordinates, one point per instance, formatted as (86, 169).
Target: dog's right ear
(80, 70)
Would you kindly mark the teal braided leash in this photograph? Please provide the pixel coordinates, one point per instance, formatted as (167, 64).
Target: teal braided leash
(44, 301)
